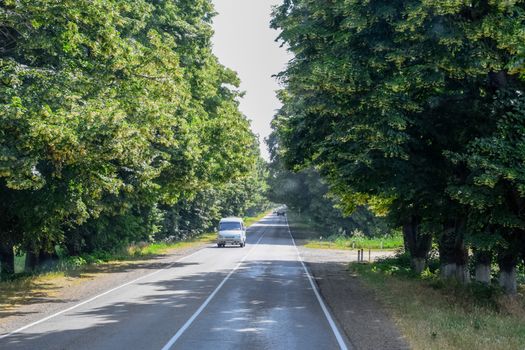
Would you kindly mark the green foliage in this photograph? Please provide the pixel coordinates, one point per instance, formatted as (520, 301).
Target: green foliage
(398, 265)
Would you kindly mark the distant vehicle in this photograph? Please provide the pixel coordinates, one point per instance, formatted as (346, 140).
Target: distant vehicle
(281, 211)
(231, 231)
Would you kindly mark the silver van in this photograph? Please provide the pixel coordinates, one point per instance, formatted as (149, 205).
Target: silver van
(231, 231)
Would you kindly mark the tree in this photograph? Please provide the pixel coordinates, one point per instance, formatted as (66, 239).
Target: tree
(495, 187)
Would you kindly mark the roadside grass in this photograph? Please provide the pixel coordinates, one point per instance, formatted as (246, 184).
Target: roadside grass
(153, 249)
(312, 236)
(342, 242)
(248, 221)
(432, 314)
(23, 288)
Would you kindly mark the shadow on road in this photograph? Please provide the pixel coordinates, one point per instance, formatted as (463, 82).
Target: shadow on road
(258, 295)
(159, 308)
(31, 291)
(170, 302)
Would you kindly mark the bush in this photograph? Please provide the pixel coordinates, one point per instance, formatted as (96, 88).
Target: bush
(74, 261)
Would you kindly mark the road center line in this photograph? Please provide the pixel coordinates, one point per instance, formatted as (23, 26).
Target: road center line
(340, 340)
(188, 323)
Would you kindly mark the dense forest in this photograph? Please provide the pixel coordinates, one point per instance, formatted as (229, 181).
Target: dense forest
(415, 109)
(117, 125)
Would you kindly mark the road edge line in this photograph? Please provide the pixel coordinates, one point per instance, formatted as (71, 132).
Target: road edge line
(329, 318)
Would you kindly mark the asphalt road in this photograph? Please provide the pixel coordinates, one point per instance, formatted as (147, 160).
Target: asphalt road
(257, 297)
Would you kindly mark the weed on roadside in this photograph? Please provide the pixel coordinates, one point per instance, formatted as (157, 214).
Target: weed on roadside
(433, 314)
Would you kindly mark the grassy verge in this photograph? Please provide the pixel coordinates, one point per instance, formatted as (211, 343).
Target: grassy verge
(313, 236)
(165, 248)
(248, 221)
(341, 242)
(436, 315)
(23, 288)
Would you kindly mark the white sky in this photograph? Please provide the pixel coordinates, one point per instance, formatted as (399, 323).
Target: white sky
(244, 42)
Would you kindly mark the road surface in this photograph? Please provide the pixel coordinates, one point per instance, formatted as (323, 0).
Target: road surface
(257, 297)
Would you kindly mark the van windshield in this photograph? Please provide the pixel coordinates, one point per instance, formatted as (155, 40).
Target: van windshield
(227, 226)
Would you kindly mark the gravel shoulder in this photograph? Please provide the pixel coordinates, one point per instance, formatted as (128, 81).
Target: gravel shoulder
(362, 318)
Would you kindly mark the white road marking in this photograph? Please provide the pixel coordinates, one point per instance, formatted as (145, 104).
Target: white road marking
(95, 297)
(188, 323)
(337, 334)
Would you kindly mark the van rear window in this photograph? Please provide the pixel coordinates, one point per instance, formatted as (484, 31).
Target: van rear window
(226, 226)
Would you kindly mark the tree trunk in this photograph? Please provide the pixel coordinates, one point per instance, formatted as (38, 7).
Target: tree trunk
(483, 273)
(448, 271)
(7, 259)
(418, 264)
(507, 272)
(406, 246)
(47, 259)
(31, 262)
(417, 243)
(483, 259)
(507, 281)
(462, 274)
(453, 253)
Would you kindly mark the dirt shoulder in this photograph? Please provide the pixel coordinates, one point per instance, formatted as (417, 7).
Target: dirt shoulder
(361, 317)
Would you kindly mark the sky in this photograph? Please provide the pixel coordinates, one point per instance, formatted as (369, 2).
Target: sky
(245, 42)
